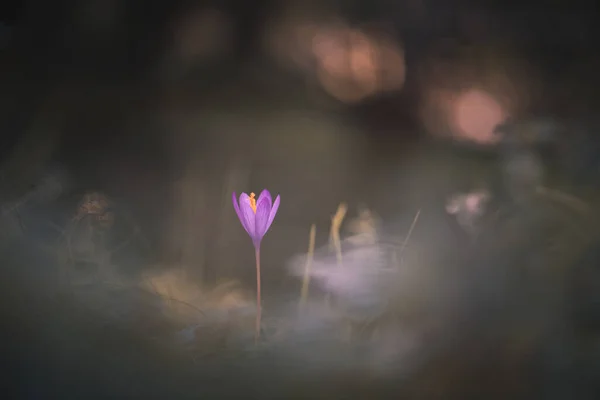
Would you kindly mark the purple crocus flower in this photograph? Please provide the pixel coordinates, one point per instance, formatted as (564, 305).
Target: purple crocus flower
(256, 215)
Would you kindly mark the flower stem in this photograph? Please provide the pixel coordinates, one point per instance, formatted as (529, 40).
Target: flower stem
(258, 306)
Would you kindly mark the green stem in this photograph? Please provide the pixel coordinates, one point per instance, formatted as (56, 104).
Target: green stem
(258, 302)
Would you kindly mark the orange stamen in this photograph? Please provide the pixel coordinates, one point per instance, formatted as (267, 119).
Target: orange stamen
(252, 201)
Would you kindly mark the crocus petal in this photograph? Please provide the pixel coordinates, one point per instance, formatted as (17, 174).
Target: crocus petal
(263, 210)
(248, 214)
(239, 213)
(272, 214)
(262, 195)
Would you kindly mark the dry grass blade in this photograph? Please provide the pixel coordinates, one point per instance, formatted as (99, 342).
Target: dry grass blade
(334, 236)
(309, 259)
(564, 198)
(410, 230)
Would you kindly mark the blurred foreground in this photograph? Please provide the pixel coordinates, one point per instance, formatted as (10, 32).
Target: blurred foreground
(418, 305)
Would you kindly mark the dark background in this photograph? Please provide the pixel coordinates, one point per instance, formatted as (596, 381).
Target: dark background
(91, 96)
